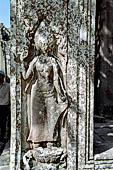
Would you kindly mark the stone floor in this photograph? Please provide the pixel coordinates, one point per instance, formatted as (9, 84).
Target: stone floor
(4, 158)
(103, 139)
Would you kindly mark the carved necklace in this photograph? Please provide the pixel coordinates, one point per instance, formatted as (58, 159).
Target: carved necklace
(44, 59)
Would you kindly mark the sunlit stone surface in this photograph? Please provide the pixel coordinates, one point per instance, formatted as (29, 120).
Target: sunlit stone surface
(65, 32)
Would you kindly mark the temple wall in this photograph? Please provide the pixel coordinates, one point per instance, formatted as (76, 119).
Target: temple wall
(73, 24)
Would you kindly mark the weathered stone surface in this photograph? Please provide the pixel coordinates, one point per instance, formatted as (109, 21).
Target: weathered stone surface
(40, 158)
(73, 24)
(23, 26)
(80, 83)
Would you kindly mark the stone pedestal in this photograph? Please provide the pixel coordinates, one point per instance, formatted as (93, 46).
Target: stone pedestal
(45, 158)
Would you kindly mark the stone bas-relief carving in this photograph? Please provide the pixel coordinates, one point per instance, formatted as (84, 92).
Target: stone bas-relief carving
(45, 98)
(76, 20)
(48, 95)
(42, 159)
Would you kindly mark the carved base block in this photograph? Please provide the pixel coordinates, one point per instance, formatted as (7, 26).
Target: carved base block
(45, 158)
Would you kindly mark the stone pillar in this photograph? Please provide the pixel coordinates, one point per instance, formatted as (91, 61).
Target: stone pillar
(73, 24)
(15, 83)
(80, 83)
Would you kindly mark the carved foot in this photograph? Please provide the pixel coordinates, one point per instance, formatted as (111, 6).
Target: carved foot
(36, 145)
(49, 145)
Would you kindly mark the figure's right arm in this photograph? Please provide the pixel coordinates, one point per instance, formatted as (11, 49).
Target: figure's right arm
(27, 73)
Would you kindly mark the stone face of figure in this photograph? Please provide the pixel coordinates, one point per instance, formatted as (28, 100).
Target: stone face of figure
(48, 95)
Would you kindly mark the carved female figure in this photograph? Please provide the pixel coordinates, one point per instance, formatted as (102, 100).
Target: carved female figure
(48, 95)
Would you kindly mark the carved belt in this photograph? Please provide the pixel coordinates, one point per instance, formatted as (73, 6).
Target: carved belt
(47, 94)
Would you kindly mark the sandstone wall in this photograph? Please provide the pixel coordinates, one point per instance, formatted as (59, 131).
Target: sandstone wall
(75, 23)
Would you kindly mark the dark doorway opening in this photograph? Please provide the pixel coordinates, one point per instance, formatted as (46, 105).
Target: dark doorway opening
(103, 117)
